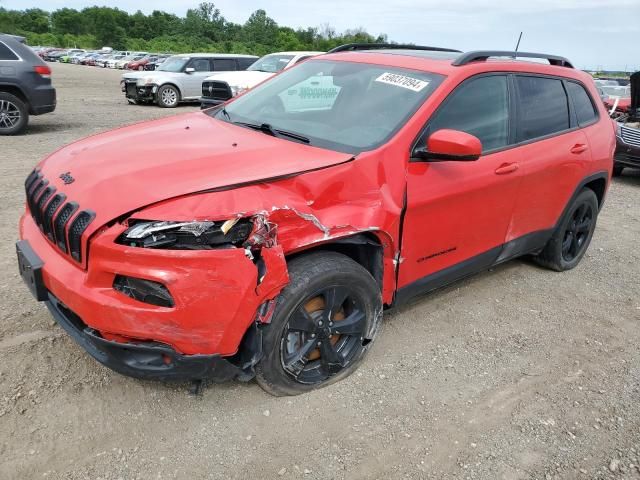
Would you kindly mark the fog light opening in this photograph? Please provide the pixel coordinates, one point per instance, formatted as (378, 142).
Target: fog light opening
(146, 291)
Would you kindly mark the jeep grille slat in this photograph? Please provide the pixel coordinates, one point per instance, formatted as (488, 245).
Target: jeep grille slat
(60, 223)
(47, 217)
(76, 229)
(42, 201)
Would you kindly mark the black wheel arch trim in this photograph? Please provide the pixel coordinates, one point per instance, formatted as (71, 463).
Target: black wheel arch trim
(602, 175)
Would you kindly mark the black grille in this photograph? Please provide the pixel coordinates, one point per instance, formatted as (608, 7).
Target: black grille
(217, 90)
(47, 217)
(54, 216)
(42, 201)
(34, 192)
(131, 89)
(59, 225)
(631, 136)
(76, 229)
(30, 179)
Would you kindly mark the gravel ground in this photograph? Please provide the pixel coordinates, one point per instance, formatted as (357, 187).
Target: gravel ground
(515, 373)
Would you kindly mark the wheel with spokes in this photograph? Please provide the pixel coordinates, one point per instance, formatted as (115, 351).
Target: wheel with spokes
(324, 323)
(571, 239)
(168, 96)
(14, 114)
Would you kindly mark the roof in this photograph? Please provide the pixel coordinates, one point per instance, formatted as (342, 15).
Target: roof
(295, 53)
(448, 63)
(212, 55)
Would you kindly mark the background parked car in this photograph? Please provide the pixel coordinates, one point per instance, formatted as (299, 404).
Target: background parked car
(66, 58)
(123, 63)
(618, 97)
(111, 62)
(179, 79)
(221, 87)
(151, 66)
(139, 64)
(25, 86)
(54, 55)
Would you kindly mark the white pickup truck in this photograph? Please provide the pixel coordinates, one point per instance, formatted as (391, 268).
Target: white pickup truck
(221, 87)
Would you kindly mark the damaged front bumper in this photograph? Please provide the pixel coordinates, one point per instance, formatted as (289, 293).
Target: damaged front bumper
(139, 93)
(219, 295)
(152, 361)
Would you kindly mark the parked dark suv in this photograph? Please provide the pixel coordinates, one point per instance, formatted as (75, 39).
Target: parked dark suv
(25, 85)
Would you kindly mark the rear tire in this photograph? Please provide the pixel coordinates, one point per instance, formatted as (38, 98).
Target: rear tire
(168, 96)
(14, 114)
(325, 321)
(572, 237)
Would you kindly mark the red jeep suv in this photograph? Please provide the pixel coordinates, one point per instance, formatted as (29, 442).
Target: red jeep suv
(264, 237)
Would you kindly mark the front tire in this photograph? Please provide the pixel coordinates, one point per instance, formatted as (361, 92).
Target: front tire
(324, 323)
(573, 235)
(14, 114)
(168, 96)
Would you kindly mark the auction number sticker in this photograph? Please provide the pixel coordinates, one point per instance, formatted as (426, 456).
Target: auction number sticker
(402, 81)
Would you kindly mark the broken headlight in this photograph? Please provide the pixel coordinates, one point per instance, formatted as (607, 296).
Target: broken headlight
(191, 235)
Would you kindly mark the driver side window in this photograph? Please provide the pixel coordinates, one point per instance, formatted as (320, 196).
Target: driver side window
(479, 107)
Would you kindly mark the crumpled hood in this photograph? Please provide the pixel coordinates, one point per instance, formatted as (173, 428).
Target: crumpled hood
(117, 172)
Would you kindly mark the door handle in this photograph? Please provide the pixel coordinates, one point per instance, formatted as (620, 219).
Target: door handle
(579, 148)
(506, 168)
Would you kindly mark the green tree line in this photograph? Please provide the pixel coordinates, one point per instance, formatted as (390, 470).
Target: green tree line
(202, 29)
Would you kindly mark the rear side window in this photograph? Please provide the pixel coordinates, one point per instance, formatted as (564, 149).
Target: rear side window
(479, 107)
(543, 107)
(6, 53)
(582, 104)
(224, 65)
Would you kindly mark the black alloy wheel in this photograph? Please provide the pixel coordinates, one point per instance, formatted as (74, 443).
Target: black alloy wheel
(577, 232)
(323, 325)
(573, 234)
(323, 335)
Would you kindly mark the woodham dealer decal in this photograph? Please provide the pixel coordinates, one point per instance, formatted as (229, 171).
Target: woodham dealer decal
(402, 81)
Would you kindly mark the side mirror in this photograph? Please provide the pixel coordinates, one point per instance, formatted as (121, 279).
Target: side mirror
(450, 145)
(189, 70)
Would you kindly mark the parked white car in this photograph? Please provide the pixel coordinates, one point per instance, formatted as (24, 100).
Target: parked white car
(179, 78)
(220, 87)
(111, 62)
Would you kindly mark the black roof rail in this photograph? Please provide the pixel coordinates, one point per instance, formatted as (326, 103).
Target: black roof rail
(352, 47)
(485, 54)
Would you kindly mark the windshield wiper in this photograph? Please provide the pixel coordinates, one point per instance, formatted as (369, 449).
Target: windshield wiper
(269, 130)
(225, 113)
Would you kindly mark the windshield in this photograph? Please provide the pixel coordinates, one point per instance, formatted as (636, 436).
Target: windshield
(348, 107)
(622, 92)
(271, 63)
(173, 64)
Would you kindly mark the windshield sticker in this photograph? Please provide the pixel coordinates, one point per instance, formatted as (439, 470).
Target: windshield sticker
(402, 81)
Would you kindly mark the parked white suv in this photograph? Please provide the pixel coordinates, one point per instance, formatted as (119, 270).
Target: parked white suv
(179, 78)
(220, 87)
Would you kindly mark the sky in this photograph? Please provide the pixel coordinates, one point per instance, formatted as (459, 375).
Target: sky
(591, 33)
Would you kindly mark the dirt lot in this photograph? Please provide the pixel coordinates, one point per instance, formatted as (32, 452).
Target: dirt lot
(515, 373)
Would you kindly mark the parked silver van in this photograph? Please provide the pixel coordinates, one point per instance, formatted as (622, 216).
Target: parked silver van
(179, 78)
